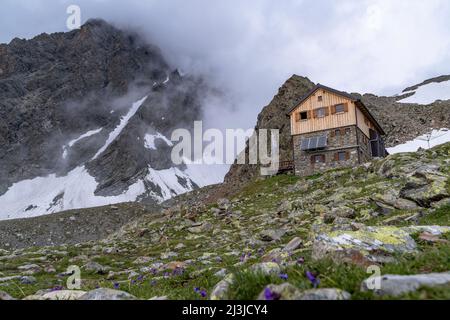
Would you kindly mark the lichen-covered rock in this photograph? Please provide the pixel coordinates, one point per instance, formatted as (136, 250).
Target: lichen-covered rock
(107, 294)
(221, 289)
(434, 230)
(426, 187)
(272, 235)
(266, 268)
(95, 267)
(396, 285)
(294, 244)
(371, 244)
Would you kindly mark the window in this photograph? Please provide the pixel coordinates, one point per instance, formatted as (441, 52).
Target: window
(321, 112)
(342, 156)
(340, 108)
(320, 98)
(348, 131)
(318, 158)
(304, 115)
(337, 132)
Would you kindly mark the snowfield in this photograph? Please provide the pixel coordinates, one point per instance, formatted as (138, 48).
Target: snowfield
(429, 93)
(426, 141)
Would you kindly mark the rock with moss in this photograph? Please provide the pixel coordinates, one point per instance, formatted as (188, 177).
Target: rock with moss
(222, 288)
(397, 285)
(371, 244)
(266, 268)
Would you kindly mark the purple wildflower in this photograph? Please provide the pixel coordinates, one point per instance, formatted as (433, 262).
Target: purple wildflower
(153, 283)
(313, 279)
(301, 260)
(270, 295)
(140, 278)
(57, 288)
(116, 285)
(197, 289)
(283, 276)
(203, 293)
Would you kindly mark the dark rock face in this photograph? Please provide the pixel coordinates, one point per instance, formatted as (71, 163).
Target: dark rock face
(274, 116)
(55, 88)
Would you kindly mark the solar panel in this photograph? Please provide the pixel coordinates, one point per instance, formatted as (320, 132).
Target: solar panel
(322, 143)
(304, 144)
(313, 143)
(317, 142)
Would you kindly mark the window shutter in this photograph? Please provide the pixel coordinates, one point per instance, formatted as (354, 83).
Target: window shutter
(347, 155)
(342, 131)
(346, 107)
(314, 113)
(333, 109)
(323, 158)
(327, 111)
(312, 160)
(336, 156)
(332, 134)
(297, 116)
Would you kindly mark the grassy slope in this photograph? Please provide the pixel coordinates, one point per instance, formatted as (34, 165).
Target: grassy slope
(256, 209)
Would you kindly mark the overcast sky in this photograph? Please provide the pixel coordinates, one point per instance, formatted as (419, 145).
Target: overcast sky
(251, 47)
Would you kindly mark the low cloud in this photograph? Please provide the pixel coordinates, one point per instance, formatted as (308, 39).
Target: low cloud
(249, 48)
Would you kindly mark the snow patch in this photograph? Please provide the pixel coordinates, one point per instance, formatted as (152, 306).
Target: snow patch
(73, 142)
(426, 141)
(123, 123)
(151, 138)
(429, 93)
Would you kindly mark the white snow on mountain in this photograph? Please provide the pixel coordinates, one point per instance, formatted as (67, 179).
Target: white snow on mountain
(76, 190)
(151, 138)
(429, 93)
(123, 123)
(426, 141)
(75, 141)
(51, 194)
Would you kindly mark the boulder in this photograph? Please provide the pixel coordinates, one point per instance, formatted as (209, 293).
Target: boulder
(424, 188)
(107, 294)
(266, 268)
(4, 296)
(95, 267)
(221, 289)
(293, 245)
(396, 285)
(272, 235)
(366, 245)
(63, 295)
(325, 294)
